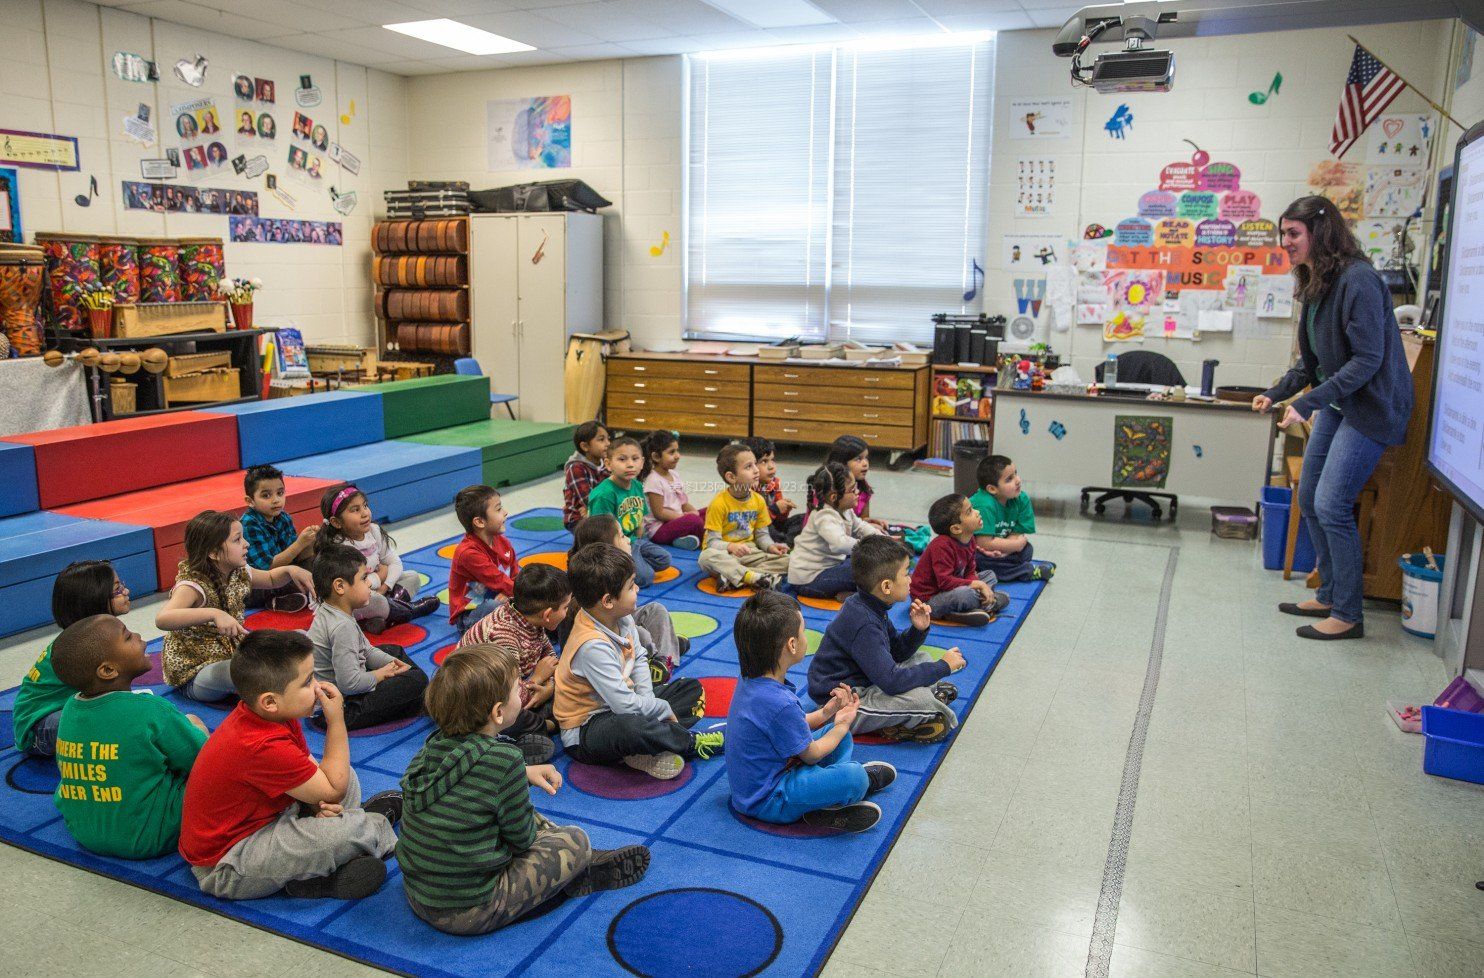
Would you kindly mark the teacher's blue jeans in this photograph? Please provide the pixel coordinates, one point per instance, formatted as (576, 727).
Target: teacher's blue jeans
(1338, 462)
(835, 780)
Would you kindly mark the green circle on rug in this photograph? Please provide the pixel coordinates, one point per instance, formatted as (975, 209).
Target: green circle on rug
(814, 637)
(422, 580)
(539, 524)
(935, 652)
(692, 625)
(443, 595)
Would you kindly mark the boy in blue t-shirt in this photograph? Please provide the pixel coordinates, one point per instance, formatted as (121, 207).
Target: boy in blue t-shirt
(1002, 543)
(785, 765)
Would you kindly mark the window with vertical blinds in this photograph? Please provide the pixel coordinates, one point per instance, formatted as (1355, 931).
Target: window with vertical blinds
(836, 192)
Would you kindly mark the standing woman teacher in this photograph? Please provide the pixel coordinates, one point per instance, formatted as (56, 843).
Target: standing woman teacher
(1360, 397)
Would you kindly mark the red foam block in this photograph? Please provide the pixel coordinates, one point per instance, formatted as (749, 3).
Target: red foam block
(97, 460)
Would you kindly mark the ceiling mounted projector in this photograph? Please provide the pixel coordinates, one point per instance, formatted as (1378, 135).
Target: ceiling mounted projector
(1135, 68)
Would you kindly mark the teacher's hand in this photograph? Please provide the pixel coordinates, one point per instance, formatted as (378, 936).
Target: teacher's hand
(1291, 418)
(1262, 404)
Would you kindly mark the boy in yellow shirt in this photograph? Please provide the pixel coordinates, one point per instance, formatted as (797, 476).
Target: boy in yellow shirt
(737, 547)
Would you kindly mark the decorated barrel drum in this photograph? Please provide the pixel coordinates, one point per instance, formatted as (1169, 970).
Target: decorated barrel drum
(72, 260)
(159, 270)
(202, 268)
(22, 276)
(118, 267)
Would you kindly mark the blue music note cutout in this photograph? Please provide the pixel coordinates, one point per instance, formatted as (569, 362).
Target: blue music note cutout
(1198, 451)
(1025, 423)
(978, 277)
(1058, 430)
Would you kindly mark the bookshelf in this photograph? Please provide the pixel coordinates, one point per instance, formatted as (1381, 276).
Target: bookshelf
(962, 405)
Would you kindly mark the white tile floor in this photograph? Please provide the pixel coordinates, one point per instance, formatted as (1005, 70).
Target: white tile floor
(1283, 825)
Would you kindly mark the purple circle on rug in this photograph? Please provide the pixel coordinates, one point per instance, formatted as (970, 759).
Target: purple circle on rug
(624, 783)
(156, 674)
(793, 830)
(34, 775)
(382, 728)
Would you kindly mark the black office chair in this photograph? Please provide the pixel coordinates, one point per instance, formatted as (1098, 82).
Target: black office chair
(1138, 367)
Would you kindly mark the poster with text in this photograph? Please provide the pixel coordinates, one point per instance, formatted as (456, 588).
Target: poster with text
(1032, 250)
(1035, 186)
(1040, 118)
(529, 133)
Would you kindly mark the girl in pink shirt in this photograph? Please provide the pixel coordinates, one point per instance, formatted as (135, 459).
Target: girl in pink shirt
(674, 521)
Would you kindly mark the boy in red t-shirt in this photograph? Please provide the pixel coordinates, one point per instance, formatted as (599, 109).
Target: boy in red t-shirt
(482, 575)
(259, 815)
(945, 576)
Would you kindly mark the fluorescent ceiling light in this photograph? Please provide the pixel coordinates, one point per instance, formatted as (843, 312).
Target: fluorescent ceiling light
(460, 37)
(774, 13)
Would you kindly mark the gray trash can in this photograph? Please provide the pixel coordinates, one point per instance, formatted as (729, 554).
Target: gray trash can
(967, 455)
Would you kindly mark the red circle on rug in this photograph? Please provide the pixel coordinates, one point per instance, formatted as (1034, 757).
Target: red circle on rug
(793, 830)
(406, 635)
(870, 739)
(823, 604)
(281, 621)
(554, 558)
(444, 653)
(719, 690)
(623, 783)
(708, 585)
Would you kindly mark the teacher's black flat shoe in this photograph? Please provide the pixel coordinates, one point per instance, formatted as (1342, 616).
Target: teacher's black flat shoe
(1309, 631)
(1292, 608)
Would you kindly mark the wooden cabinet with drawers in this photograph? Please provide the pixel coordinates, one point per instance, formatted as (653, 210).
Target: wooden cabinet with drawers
(735, 397)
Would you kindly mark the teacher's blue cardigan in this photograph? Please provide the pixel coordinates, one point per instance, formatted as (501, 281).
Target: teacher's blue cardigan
(1358, 344)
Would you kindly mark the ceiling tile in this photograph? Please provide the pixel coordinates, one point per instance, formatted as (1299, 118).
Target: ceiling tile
(458, 9)
(949, 8)
(1052, 16)
(373, 11)
(905, 26)
(529, 28)
(204, 18)
(594, 52)
(606, 21)
(729, 40)
(683, 16)
(1003, 20)
(419, 68)
(815, 33)
(659, 46)
(855, 11)
(399, 46)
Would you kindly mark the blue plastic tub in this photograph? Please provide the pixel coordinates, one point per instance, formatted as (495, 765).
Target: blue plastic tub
(1455, 744)
(1276, 503)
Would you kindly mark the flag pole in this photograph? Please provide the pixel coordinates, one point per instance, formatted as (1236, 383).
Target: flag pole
(1438, 108)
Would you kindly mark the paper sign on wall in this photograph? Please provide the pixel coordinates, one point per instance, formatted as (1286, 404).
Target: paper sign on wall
(1035, 186)
(1399, 140)
(1275, 297)
(1031, 250)
(529, 133)
(1343, 183)
(1393, 191)
(1040, 118)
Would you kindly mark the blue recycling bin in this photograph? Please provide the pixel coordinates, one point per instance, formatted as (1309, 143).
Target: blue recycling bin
(1276, 504)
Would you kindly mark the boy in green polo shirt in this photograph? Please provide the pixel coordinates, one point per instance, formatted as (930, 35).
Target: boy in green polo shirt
(622, 496)
(1005, 508)
(123, 756)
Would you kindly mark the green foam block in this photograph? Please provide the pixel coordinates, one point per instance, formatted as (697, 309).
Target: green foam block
(424, 404)
(511, 451)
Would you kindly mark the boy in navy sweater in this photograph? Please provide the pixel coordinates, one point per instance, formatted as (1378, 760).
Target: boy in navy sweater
(901, 688)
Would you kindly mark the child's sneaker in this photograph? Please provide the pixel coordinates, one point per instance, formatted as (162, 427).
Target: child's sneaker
(535, 748)
(844, 818)
(683, 644)
(967, 617)
(360, 877)
(879, 774)
(1042, 570)
(945, 692)
(709, 743)
(688, 542)
(761, 582)
(385, 803)
(926, 732)
(611, 869)
(1001, 601)
(661, 767)
(659, 671)
(289, 604)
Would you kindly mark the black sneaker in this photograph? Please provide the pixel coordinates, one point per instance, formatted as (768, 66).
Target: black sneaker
(611, 869)
(659, 671)
(968, 617)
(360, 877)
(945, 692)
(385, 803)
(844, 818)
(289, 604)
(425, 606)
(535, 748)
(880, 774)
(684, 644)
(399, 593)
(1001, 600)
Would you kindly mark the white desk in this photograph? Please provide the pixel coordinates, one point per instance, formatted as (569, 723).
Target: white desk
(1232, 465)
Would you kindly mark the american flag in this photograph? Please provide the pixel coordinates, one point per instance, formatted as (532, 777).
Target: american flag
(1369, 89)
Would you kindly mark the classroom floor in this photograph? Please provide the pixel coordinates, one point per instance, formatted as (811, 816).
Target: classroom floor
(1281, 824)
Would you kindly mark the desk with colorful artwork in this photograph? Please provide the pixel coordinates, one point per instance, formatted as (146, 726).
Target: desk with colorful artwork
(1215, 451)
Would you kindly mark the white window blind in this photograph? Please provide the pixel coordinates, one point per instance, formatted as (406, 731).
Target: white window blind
(836, 192)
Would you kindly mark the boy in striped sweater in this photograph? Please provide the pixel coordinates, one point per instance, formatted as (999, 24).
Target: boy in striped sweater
(475, 855)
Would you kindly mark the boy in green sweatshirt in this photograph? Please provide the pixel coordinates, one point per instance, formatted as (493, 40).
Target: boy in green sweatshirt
(475, 855)
(123, 757)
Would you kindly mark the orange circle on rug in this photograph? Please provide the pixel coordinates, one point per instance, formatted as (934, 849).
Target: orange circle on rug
(446, 551)
(823, 604)
(719, 690)
(553, 558)
(444, 653)
(666, 575)
(708, 585)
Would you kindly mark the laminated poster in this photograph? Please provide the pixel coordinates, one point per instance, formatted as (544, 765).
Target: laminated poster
(1141, 451)
(1040, 118)
(1035, 186)
(1025, 251)
(1343, 183)
(529, 133)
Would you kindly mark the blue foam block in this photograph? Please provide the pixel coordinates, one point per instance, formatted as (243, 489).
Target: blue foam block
(400, 479)
(271, 431)
(27, 604)
(34, 545)
(18, 479)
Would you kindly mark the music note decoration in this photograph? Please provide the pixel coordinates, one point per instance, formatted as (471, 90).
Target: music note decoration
(656, 250)
(977, 276)
(86, 200)
(1261, 98)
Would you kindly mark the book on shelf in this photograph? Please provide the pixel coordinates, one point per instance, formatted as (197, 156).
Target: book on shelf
(963, 395)
(946, 431)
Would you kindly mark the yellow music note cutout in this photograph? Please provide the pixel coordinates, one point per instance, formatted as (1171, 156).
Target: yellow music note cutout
(656, 250)
(345, 119)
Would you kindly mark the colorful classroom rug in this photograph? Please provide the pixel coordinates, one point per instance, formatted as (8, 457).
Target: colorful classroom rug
(724, 897)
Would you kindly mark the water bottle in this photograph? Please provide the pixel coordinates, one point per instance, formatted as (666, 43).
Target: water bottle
(1208, 376)
(1110, 371)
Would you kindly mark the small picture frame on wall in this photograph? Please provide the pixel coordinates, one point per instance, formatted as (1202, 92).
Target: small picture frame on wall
(10, 206)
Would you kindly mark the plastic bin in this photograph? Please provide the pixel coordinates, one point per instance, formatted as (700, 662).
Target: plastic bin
(1455, 744)
(967, 455)
(1420, 586)
(1276, 503)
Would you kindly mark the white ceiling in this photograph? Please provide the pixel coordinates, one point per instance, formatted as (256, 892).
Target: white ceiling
(570, 30)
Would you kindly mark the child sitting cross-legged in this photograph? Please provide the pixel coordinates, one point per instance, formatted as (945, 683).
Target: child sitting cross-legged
(83, 589)
(819, 566)
(123, 758)
(585, 468)
(945, 576)
(608, 710)
(1008, 518)
(347, 520)
(785, 765)
(260, 814)
(482, 574)
(622, 496)
(673, 520)
(738, 549)
(786, 523)
(542, 597)
(902, 692)
(272, 539)
(475, 855)
(379, 683)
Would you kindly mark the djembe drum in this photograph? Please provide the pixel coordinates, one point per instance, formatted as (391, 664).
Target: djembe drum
(118, 268)
(202, 268)
(74, 267)
(22, 274)
(159, 270)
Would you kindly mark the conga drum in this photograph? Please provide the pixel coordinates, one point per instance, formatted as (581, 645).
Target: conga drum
(159, 270)
(22, 274)
(118, 268)
(202, 268)
(73, 264)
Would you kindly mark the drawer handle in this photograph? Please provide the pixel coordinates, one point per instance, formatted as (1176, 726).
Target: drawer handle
(790, 393)
(792, 376)
(792, 431)
(640, 400)
(790, 410)
(639, 370)
(708, 424)
(641, 420)
(639, 386)
(710, 390)
(870, 415)
(710, 406)
(868, 436)
(872, 380)
(869, 397)
(709, 372)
